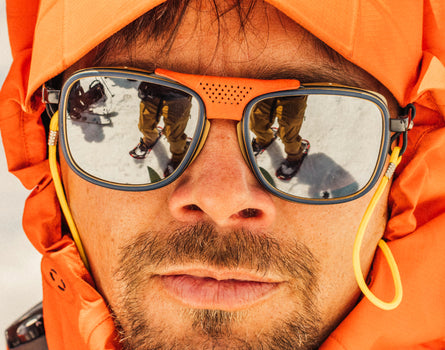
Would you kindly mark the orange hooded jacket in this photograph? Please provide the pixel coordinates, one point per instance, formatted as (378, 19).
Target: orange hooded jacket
(401, 43)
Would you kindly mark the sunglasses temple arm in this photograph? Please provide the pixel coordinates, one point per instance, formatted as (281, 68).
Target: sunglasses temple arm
(54, 168)
(394, 161)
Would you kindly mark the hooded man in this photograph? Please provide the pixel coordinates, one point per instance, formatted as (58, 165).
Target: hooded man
(221, 254)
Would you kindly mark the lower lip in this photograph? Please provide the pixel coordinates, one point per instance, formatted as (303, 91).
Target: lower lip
(209, 293)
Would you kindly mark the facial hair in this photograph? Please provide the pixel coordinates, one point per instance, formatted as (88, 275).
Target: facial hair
(238, 249)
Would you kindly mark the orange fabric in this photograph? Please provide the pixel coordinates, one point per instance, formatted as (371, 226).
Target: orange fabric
(401, 43)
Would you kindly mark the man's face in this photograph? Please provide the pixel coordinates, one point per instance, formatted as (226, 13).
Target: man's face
(213, 260)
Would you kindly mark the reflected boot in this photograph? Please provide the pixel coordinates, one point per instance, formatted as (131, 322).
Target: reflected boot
(171, 167)
(175, 161)
(142, 149)
(288, 168)
(258, 149)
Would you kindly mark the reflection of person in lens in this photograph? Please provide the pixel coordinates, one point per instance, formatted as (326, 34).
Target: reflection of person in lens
(175, 107)
(290, 113)
(80, 101)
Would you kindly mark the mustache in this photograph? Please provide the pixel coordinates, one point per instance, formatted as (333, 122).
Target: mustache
(202, 243)
(142, 256)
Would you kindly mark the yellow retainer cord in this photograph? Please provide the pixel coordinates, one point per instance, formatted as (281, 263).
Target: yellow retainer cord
(398, 292)
(52, 157)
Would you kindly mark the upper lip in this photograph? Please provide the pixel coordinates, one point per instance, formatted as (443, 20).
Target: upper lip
(222, 274)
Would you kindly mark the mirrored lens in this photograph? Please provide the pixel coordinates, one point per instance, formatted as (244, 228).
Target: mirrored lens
(128, 131)
(316, 146)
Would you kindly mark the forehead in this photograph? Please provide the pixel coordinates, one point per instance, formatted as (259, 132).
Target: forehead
(207, 43)
(214, 39)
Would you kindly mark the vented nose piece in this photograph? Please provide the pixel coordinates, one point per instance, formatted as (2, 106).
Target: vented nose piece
(227, 97)
(224, 93)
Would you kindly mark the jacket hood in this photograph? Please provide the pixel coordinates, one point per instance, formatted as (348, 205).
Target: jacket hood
(401, 43)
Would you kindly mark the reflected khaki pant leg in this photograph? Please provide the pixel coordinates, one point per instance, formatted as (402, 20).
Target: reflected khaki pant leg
(148, 120)
(262, 120)
(290, 113)
(176, 116)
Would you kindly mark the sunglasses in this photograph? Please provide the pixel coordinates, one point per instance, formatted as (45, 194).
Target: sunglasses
(133, 130)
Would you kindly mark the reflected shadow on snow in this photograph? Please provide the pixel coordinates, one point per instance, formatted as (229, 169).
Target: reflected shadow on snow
(319, 176)
(91, 125)
(326, 179)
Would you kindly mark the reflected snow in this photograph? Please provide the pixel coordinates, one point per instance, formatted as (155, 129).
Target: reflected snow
(345, 135)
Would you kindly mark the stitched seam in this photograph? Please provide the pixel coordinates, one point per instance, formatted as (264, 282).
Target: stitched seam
(25, 139)
(337, 340)
(422, 135)
(96, 327)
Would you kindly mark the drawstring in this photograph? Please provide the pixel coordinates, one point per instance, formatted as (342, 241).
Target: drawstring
(52, 157)
(393, 162)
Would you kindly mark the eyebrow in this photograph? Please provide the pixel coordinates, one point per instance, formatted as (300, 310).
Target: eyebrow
(313, 74)
(327, 73)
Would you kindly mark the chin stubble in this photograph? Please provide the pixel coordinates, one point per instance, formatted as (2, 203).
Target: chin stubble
(214, 329)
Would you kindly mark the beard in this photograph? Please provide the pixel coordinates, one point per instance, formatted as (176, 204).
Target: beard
(139, 327)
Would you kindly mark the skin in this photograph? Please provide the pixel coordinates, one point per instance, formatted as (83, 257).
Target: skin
(111, 221)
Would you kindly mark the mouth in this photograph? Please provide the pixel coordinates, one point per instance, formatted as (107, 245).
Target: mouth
(229, 292)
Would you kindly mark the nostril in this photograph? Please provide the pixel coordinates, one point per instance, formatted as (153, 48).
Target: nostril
(249, 213)
(193, 207)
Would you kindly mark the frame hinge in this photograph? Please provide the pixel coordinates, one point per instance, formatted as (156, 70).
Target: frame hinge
(401, 124)
(404, 122)
(50, 95)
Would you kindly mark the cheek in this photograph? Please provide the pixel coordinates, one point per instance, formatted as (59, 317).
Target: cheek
(329, 232)
(330, 229)
(106, 219)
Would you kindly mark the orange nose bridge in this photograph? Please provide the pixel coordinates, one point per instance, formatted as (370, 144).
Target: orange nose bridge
(227, 97)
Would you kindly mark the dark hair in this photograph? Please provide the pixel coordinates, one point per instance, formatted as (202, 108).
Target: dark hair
(163, 22)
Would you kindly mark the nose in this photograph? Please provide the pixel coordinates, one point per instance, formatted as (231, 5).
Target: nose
(220, 187)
